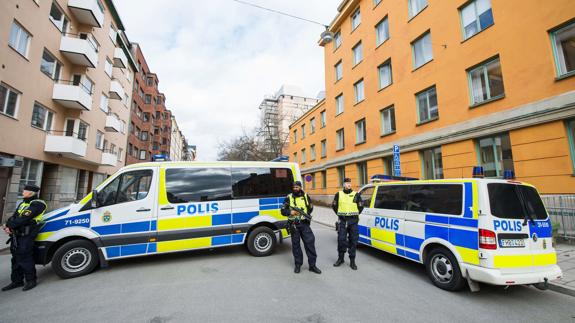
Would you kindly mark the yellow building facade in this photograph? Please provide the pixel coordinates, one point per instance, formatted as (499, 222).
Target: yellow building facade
(454, 84)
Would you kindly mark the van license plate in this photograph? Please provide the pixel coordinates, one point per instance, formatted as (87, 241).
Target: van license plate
(511, 243)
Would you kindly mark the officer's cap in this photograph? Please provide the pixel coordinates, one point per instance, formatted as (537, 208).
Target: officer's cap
(297, 183)
(347, 180)
(32, 188)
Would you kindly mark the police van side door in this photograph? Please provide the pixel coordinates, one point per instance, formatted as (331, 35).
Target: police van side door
(125, 217)
(387, 220)
(367, 196)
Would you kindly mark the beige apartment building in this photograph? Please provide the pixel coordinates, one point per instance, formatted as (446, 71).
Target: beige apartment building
(177, 143)
(65, 84)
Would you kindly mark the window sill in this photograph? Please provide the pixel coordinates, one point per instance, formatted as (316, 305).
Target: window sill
(339, 149)
(337, 115)
(354, 29)
(358, 102)
(565, 76)
(426, 121)
(17, 52)
(322, 157)
(378, 46)
(385, 87)
(496, 98)
(360, 143)
(387, 134)
(477, 33)
(337, 81)
(356, 64)
(37, 128)
(420, 66)
(9, 116)
(417, 14)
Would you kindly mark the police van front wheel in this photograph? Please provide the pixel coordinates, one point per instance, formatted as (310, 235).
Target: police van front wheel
(75, 258)
(261, 242)
(443, 270)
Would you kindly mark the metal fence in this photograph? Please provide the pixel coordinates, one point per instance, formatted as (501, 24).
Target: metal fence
(561, 209)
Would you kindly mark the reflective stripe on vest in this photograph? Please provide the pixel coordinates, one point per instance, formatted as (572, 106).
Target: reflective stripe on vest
(299, 202)
(346, 206)
(24, 206)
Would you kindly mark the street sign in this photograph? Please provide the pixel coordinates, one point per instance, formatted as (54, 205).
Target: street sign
(308, 178)
(396, 162)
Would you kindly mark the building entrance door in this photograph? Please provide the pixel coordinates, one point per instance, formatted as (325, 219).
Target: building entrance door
(5, 174)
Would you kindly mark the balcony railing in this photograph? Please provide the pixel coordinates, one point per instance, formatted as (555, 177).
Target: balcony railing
(66, 143)
(72, 95)
(109, 158)
(87, 12)
(113, 123)
(120, 59)
(80, 49)
(116, 90)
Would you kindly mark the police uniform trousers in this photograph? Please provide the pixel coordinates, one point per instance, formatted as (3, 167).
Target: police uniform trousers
(347, 235)
(23, 264)
(303, 231)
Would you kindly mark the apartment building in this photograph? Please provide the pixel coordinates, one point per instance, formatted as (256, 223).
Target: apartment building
(454, 84)
(151, 122)
(177, 143)
(65, 88)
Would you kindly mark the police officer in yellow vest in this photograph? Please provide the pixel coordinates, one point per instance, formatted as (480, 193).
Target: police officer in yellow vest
(347, 205)
(300, 228)
(23, 227)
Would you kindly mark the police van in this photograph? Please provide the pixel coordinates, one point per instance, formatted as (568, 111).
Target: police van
(163, 207)
(464, 230)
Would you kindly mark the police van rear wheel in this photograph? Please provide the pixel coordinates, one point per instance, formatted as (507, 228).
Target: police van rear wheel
(261, 242)
(75, 258)
(443, 270)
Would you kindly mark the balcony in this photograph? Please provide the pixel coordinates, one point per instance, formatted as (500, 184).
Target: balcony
(72, 95)
(109, 158)
(113, 123)
(79, 50)
(87, 12)
(66, 144)
(120, 59)
(116, 90)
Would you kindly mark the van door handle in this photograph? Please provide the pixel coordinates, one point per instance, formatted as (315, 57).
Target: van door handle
(167, 208)
(142, 210)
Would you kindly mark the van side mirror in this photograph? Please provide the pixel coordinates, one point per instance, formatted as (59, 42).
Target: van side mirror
(94, 201)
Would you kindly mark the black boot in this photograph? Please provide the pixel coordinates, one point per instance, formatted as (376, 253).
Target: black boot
(12, 286)
(314, 269)
(352, 263)
(339, 261)
(29, 285)
(297, 269)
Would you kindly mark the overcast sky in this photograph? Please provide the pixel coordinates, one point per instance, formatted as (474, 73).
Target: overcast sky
(216, 59)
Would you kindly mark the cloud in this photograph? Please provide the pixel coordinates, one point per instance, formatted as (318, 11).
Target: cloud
(217, 59)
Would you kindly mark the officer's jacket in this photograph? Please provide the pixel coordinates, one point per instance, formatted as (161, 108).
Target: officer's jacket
(285, 210)
(23, 218)
(356, 199)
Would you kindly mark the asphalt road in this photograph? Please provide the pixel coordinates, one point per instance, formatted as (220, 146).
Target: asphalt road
(227, 284)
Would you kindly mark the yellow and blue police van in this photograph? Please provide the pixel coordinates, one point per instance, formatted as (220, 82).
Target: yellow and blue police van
(163, 207)
(474, 230)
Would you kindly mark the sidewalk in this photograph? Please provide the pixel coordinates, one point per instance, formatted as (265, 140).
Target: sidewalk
(3, 238)
(565, 254)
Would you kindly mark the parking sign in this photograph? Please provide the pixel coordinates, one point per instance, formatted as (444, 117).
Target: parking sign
(396, 162)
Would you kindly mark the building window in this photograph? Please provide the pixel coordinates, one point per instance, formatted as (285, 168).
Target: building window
(495, 155)
(295, 157)
(82, 130)
(427, 105)
(362, 173)
(322, 119)
(303, 156)
(141, 93)
(355, 19)
(358, 90)
(50, 66)
(42, 117)
(340, 140)
(295, 136)
(313, 181)
(324, 179)
(571, 137)
(312, 155)
(338, 71)
(381, 32)
(58, 18)
(99, 140)
(112, 33)
(312, 125)
(323, 148)
(303, 131)
(144, 136)
(486, 81)
(336, 40)
(339, 104)
(108, 67)
(432, 163)
(563, 42)
(388, 165)
(360, 132)
(148, 99)
(31, 174)
(421, 49)
(475, 17)
(149, 81)
(415, 7)
(376, 2)
(357, 53)
(384, 71)
(340, 175)
(83, 82)
(142, 155)
(387, 120)
(104, 103)
(9, 100)
(19, 39)
(120, 153)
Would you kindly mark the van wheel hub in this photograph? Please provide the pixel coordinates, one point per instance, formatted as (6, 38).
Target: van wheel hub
(262, 242)
(441, 268)
(76, 259)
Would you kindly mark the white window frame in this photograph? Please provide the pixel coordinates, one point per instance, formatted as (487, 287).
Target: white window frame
(360, 132)
(339, 104)
(55, 68)
(48, 121)
(423, 41)
(4, 105)
(340, 139)
(475, 16)
(322, 118)
(381, 36)
(113, 33)
(303, 156)
(99, 140)
(387, 122)
(380, 69)
(338, 67)
(337, 40)
(355, 19)
(18, 31)
(357, 52)
(140, 156)
(560, 66)
(323, 148)
(63, 24)
(483, 69)
(108, 67)
(427, 92)
(295, 136)
(303, 131)
(312, 125)
(416, 6)
(104, 107)
(312, 154)
(359, 91)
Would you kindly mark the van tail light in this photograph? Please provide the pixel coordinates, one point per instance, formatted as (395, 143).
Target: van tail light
(487, 239)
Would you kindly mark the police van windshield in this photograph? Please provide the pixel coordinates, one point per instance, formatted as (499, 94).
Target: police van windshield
(512, 201)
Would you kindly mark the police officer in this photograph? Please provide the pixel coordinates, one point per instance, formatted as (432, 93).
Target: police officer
(300, 227)
(23, 227)
(347, 205)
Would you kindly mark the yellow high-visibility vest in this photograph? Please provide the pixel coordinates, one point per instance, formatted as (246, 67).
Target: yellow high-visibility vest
(346, 206)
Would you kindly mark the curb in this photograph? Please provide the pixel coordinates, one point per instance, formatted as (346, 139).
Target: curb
(562, 289)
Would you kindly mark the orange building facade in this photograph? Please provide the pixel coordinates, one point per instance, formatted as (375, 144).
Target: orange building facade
(454, 84)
